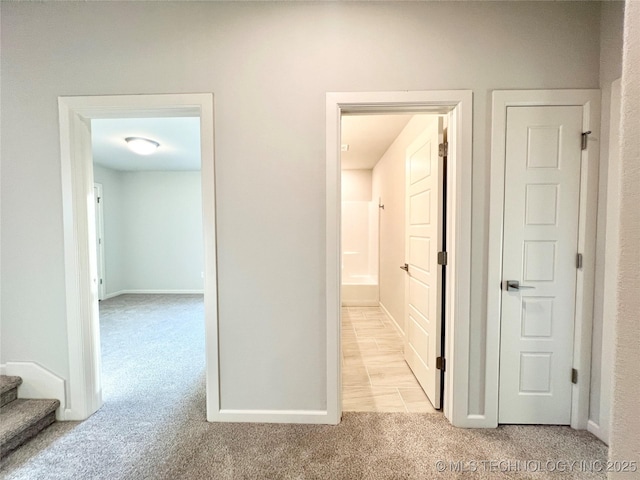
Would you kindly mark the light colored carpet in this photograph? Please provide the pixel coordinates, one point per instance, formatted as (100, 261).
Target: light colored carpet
(153, 424)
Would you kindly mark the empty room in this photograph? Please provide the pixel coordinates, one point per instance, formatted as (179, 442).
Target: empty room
(149, 257)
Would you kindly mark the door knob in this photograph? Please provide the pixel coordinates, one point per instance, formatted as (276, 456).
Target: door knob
(405, 267)
(514, 286)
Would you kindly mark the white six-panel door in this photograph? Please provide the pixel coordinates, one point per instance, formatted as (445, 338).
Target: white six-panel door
(541, 207)
(424, 276)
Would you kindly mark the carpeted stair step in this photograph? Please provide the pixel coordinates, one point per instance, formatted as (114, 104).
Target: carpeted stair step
(8, 389)
(22, 419)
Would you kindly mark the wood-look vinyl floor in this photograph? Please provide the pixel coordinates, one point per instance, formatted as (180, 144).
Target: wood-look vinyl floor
(375, 376)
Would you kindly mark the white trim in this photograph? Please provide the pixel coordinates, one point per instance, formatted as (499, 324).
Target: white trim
(37, 382)
(359, 303)
(84, 394)
(459, 103)
(395, 323)
(273, 416)
(590, 102)
(154, 292)
(594, 428)
(611, 261)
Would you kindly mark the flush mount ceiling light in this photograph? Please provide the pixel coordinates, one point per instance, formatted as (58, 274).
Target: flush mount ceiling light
(142, 146)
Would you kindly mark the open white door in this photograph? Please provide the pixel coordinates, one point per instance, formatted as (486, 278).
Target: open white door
(423, 284)
(541, 208)
(97, 193)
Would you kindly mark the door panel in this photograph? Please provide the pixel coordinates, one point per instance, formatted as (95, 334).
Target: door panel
(419, 249)
(542, 188)
(420, 206)
(423, 287)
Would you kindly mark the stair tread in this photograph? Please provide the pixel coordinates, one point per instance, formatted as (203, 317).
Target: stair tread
(7, 382)
(23, 413)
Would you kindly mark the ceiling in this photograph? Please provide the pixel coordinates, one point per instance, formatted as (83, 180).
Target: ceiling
(179, 139)
(369, 137)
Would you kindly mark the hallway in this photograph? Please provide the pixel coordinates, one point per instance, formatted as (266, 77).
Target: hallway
(153, 426)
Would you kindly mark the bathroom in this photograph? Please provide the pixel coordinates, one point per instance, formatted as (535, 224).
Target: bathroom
(373, 208)
(376, 375)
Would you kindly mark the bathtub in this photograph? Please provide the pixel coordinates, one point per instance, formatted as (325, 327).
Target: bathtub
(360, 291)
(360, 253)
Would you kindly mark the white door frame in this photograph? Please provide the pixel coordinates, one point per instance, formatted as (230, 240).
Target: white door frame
(590, 102)
(84, 395)
(459, 103)
(102, 286)
(600, 426)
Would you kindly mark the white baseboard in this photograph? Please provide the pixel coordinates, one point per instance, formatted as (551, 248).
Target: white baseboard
(272, 416)
(111, 295)
(154, 292)
(594, 428)
(37, 382)
(395, 323)
(359, 303)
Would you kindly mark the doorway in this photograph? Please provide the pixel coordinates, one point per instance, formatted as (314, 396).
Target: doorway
(457, 106)
(392, 230)
(153, 251)
(76, 113)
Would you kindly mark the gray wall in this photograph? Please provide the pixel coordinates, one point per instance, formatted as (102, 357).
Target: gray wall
(153, 231)
(269, 66)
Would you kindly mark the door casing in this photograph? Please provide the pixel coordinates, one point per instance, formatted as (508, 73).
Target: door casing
(589, 100)
(84, 395)
(458, 103)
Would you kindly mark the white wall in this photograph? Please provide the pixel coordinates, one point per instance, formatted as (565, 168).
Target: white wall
(356, 185)
(153, 231)
(389, 185)
(163, 231)
(611, 26)
(625, 425)
(269, 65)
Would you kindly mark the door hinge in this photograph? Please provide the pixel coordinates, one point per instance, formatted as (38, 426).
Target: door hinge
(574, 375)
(442, 258)
(585, 139)
(578, 260)
(441, 363)
(97, 199)
(443, 149)
(100, 281)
